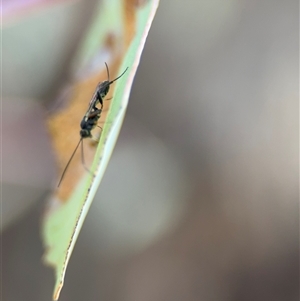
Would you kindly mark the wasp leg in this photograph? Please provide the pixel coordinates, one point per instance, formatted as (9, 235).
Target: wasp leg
(83, 162)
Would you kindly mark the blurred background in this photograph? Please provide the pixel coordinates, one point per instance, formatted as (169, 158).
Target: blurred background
(201, 198)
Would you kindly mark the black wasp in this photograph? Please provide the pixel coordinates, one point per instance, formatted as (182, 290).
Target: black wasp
(91, 117)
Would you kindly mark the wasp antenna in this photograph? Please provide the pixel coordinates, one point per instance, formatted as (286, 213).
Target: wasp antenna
(107, 70)
(63, 174)
(118, 77)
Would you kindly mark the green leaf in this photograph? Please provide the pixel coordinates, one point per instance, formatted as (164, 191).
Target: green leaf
(63, 221)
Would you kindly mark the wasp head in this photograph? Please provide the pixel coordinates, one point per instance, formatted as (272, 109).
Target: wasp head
(104, 88)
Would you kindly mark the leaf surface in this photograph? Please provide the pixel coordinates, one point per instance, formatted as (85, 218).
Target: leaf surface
(70, 204)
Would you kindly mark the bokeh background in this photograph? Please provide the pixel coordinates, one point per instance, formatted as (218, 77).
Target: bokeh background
(201, 198)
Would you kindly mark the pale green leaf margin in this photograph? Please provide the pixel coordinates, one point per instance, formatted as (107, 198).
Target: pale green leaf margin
(62, 225)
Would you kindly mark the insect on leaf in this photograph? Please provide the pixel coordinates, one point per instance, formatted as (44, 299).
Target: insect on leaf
(67, 211)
